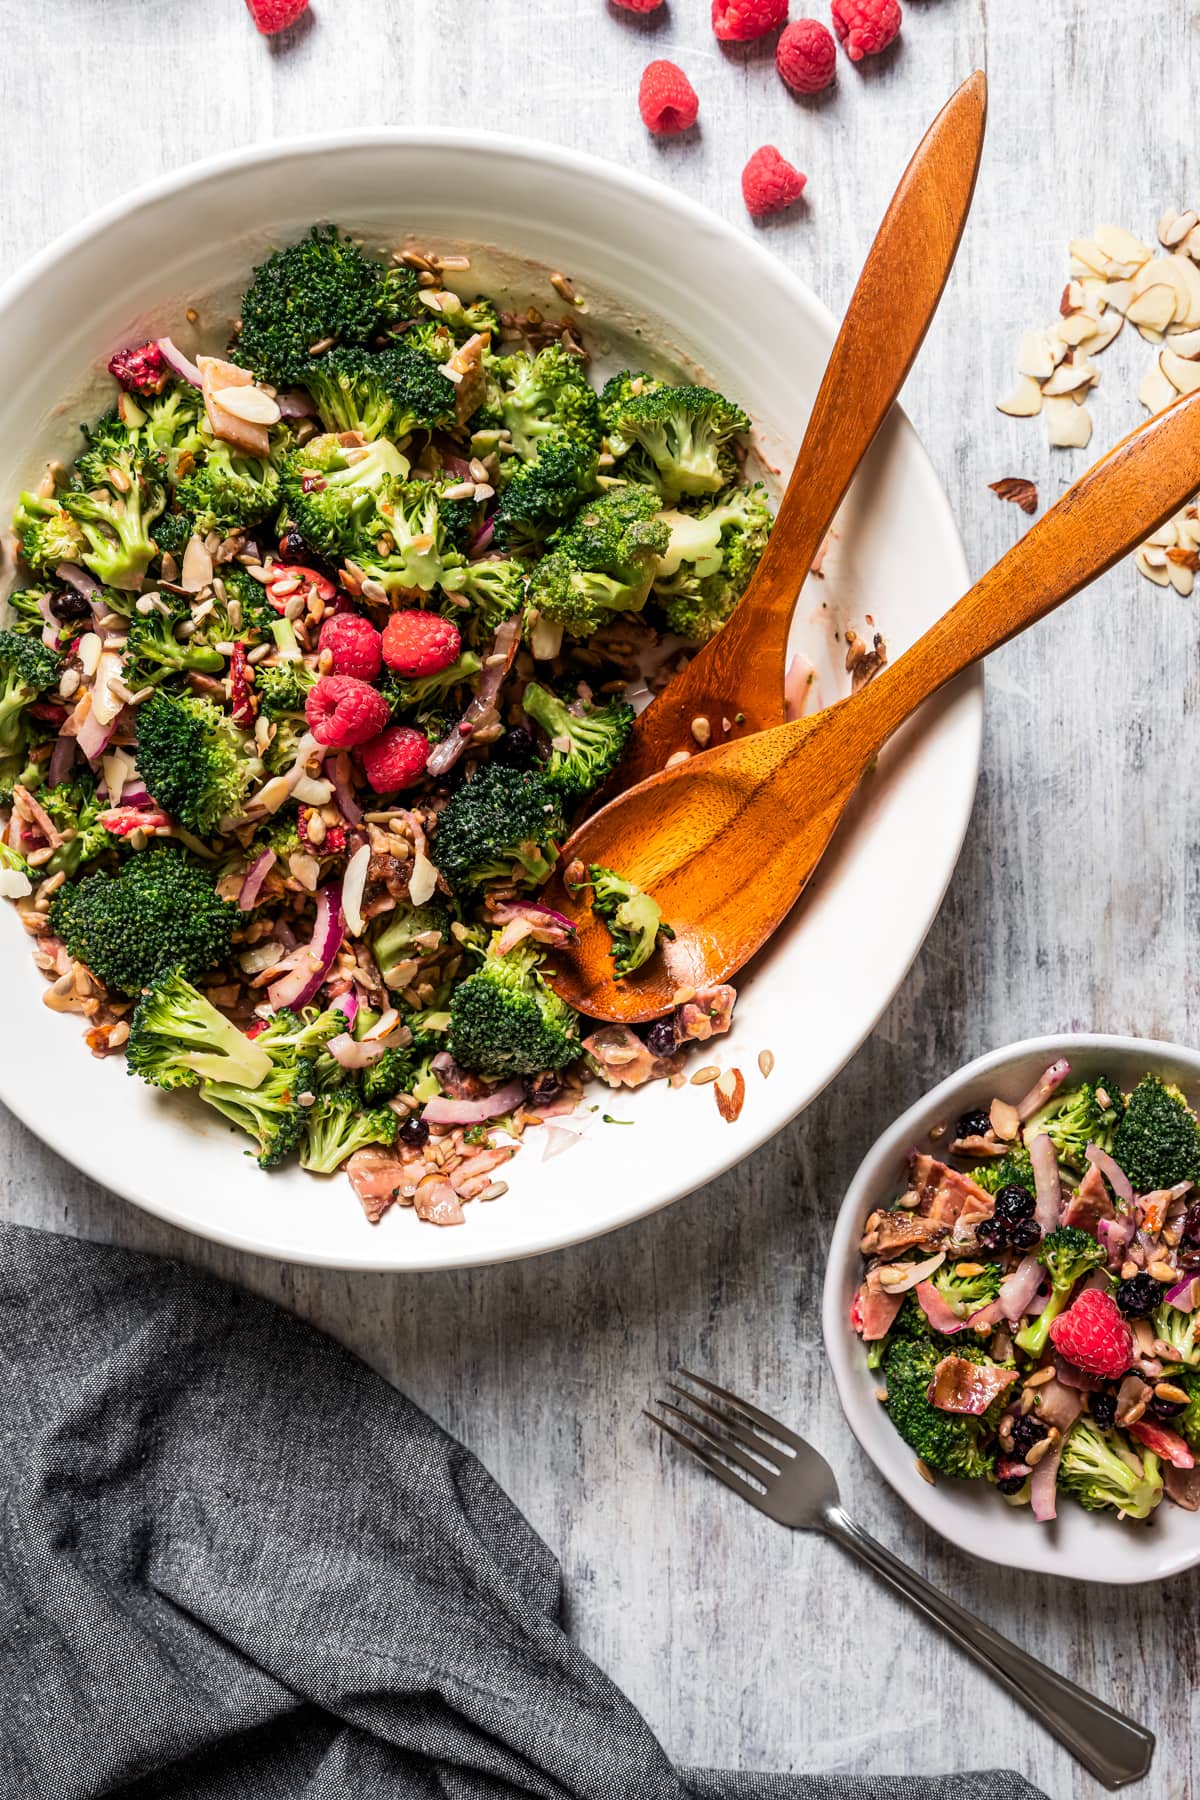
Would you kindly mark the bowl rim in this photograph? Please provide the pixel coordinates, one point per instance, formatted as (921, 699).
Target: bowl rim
(561, 1234)
(842, 1346)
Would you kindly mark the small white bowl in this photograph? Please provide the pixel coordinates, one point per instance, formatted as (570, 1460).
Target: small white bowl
(1080, 1545)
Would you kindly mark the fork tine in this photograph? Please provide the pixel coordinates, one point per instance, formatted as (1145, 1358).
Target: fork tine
(710, 1462)
(762, 1419)
(724, 1446)
(770, 1453)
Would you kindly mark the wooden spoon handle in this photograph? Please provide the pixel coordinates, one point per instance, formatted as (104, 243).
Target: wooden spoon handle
(1108, 512)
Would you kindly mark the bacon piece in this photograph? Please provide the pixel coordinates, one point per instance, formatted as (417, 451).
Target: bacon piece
(376, 1177)
(436, 1201)
(959, 1386)
(943, 1194)
(619, 1056)
(875, 1310)
(215, 374)
(1167, 1444)
(1091, 1204)
(706, 1016)
(888, 1233)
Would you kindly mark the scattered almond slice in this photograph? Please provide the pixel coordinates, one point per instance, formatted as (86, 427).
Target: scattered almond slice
(1069, 426)
(1017, 488)
(1174, 227)
(1087, 258)
(1109, 327)
(1153, 565)
(1035, 357)
(1118, 295)
(1184, 376)
(1076, 328)
(1165, 535)
(1185, 343)
(1152, 311)
(1025, 401)
(1068, 377)
(1073, 298)
(249, 404)
(1120, 246)
(1156, 391)
(1181, 575)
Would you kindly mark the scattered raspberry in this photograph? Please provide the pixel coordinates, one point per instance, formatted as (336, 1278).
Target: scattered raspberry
(865, 27)
(667, 100)
(331, 842)
(638, 6)
(806, 56)
(420, 643)
(141, 369)
(1094, 1336)
(769, 183)
(275, 15)
(396, 758)
(343, 711)
(353, 644)
(737, 21)
(243, 701)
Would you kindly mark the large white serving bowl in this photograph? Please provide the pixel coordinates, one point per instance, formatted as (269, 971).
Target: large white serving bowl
(1080, 1545)
(662, 277)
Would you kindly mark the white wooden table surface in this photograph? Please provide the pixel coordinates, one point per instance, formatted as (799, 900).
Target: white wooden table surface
(1074, 903)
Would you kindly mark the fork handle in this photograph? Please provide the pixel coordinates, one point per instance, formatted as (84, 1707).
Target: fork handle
(1115, 1749)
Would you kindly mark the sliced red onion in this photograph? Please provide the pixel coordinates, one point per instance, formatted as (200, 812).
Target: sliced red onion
(313, 963)
(1183, 1295)
(338, 772)
(482, 540)
(1116, 1235)
(1043, 1087)
(529, 918)
(941, 1316)
(181, 364)
(94, 736)
(915, 1273)
(347, 1004)
(1044, 1482)
(1117, 1178)
(495, 667)
(1046, 1182)
(256, 874)
(61, 758)
(447, 1111)
(1018, 1288)
(352, 1053)
(295, 403)
(81, 580)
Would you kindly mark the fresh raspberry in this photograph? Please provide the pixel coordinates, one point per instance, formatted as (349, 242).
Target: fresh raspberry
(1094, 1335)
(353, 644)
(769, 183)
(141, 368)
(343, 711)
(275, 15)
(865, 27)
(396, 758)
(420, 643)
(737, 21)
(638, 6)
(806, 56)
(667, 100)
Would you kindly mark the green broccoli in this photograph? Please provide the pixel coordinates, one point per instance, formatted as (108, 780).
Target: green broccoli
(495, 589)
(422, 398)
(602, 564)
(709, 562)
(407, 932)
(502, 825)
(194, 760)
(1077, 1117)
(1067, 1255)
(25, 607)
(349, 387)
(46, 534)
(505, 1021)
(1101, 1469)
(464, 318)
(332, 490)
(75, 808)
(323, 287)
(159, 911)
(1157, 1142)
(282, 688)
(399, 1071)
(680, 438)
(168, 424)
(954, 1444)
(616, 393)
(337, 1125)
(228, 490)
(1013, 1169)
(965, 1294)
(1188, 1421)
(177, 1038)
(586, 742)
(27, 669)
(539, 496)
(13, 863)
(152, 650)
(275, 1111)
(634, 919)
(425, 532)
(1182, 1331)
(547, 395)
(117, 493)
(173, 532)
(423, 696)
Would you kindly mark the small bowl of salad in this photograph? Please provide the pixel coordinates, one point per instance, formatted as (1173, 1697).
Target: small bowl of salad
(1012, 1307)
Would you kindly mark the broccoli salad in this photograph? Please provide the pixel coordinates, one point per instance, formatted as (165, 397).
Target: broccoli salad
(1031, 1302)
(314, 652)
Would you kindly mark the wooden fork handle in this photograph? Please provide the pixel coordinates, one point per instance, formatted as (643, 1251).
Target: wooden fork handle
(1107, 513)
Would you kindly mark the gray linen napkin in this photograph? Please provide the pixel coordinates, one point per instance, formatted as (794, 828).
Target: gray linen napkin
(237, 1565)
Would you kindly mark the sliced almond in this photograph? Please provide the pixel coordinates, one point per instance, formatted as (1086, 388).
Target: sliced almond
(1035, 358)
(1152, 311)
(1025, 401)
(1121, 246)
(1006, 1121)
(1118, 294)
(1191, 244)
(248, 403)
(1183, 580)
(1094, 290)
(1068, 377)
(1156, 391)
(1177, 273)
(1174, 226)
(1157, 572)
(1166, 535)
(1069, 426)
(1087, 258)
(1073, 298)
(1076, 327)
(1184, 376)
(197, 570)
(1108, 328)
(1185, 343)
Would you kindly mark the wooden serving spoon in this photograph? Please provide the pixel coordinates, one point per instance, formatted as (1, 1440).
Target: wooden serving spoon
(739, 675)
(726, 842)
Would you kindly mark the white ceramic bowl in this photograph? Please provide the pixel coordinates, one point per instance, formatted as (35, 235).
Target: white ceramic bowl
(657, 272)
(1080, 1545)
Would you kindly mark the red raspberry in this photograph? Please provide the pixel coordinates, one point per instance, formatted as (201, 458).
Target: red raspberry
(638, 6)
(275, 15)
(1094, 1334)
(667, 100)
(737, 21)
(353, 644)
(420, 643)
(806, 56)
(396, 758)
(343, 711)
(769, 184)
(141, 368)
(865, 27)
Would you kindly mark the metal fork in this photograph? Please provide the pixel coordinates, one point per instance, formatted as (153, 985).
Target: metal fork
(794, 1485)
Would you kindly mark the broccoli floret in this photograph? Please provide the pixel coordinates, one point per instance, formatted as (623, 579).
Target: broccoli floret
(1188, 1421)
(275, 1111)
(27, 669)
(1013, 1169)
(323, 287)
(173, 532)
(74, 807)
(949, 1443)
(282, 688)
(426, 532)
(602, 564)
(616, 393)
(350, 389)
(1076, 1118)
(25, 609)
(911, 1322)
(170, 424)
(390, 1074)
(117, 493)
(464, 318)
(495, 590)
(46, 534)
(1182, 1331)
(680, 437)
(586, 742)
(337, 1125)
(422, 398)
(965, 1294)
(194, 760)
(541, 396)
(709, 561)
(160, 911)
(178, 1038)
(501, 825)
(1101, 1469)
(13, 863)
(505, 1021)
(432, 337)
(634, 920)
(332, 490)
(1157, 1142)
(541, 495)
(395, 934)
(228, 490)
(1067, 1255)
(152, 650)
(422, 697)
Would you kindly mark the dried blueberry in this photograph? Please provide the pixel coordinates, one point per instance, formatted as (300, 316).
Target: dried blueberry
(1010, 1484)
(1164, 1409)
(1025, 1234)
(660, 1038)
(515, 749)
(1014, 1203)
(1027, 1431)
(414, 1133)
(1191, 1224)
(993, 1234)
(1104, 1409)
(1138, 1296)
(68, 605)
(974, 1124)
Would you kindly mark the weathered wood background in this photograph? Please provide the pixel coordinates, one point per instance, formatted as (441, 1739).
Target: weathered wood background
(1074, 903)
